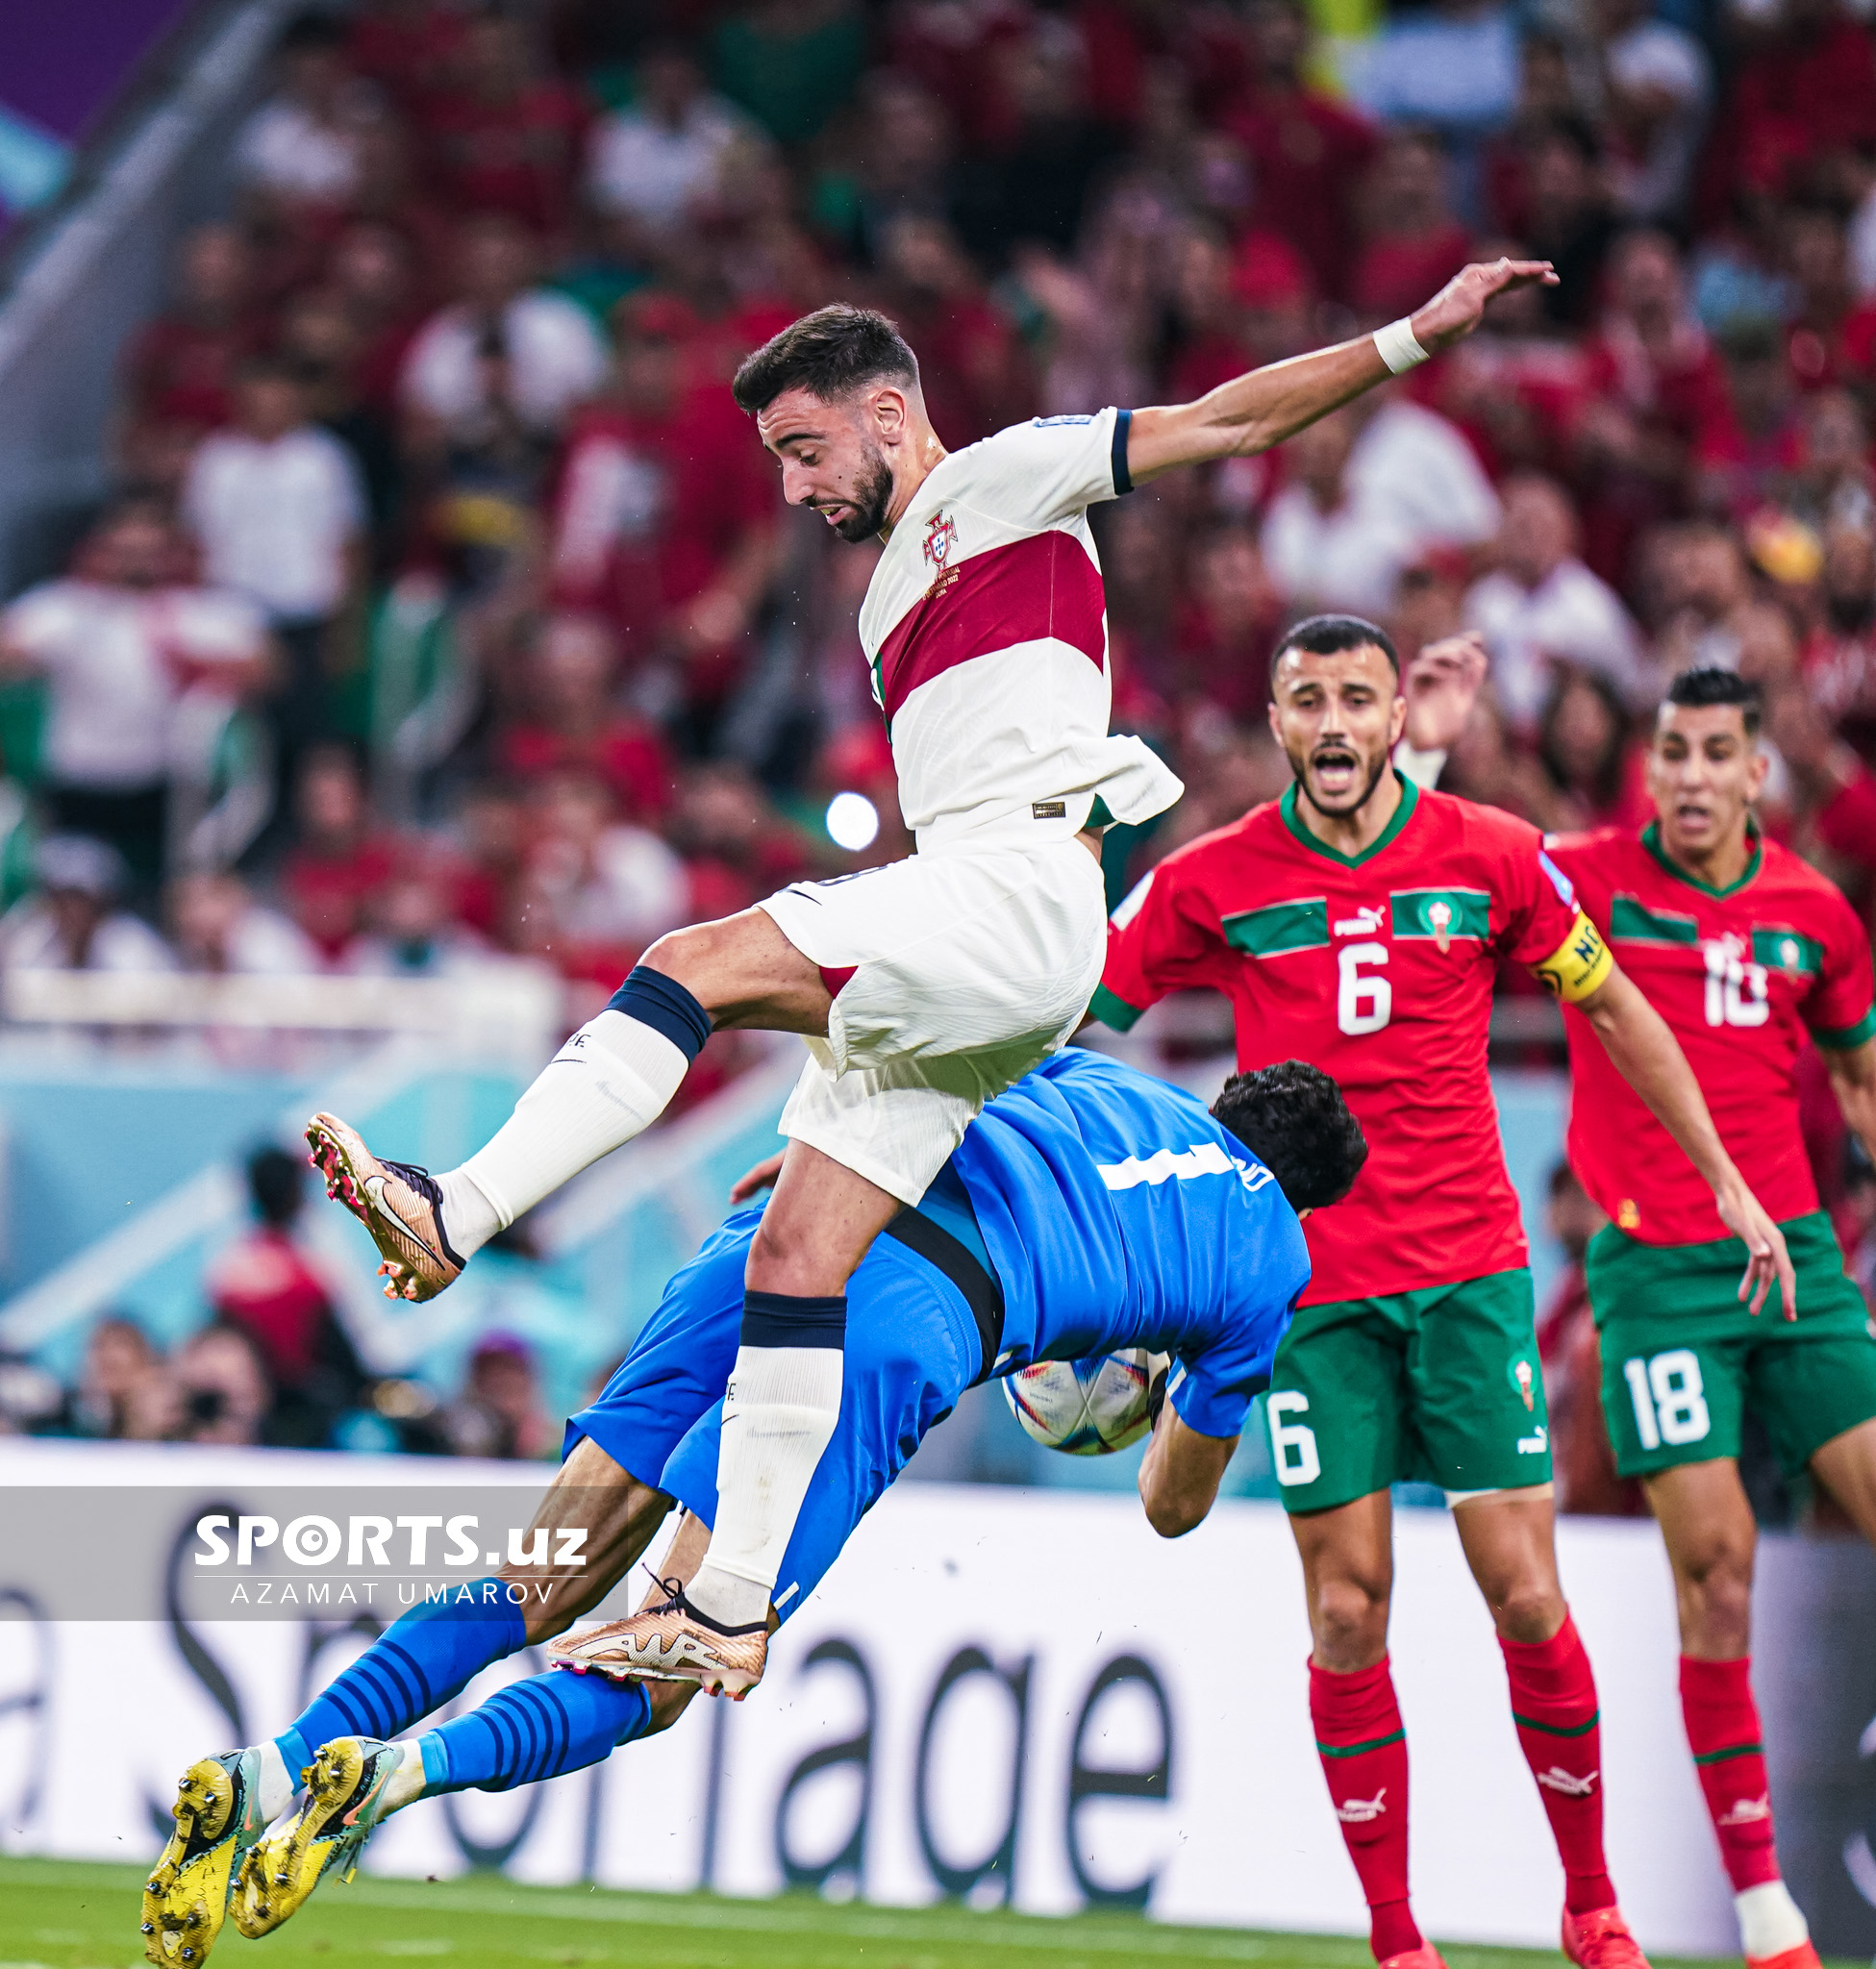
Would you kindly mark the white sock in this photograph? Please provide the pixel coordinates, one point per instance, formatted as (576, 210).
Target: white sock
(469, 1218)
(408, 1781)
(277, 1783)
(1770, 1921)
(778, 1417)
(609, 1083)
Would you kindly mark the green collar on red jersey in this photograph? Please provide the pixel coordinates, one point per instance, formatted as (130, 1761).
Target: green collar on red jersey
(1651, 840)
(1409, 799)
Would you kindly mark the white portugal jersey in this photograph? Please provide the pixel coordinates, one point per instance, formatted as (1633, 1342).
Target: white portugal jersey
(986, 626)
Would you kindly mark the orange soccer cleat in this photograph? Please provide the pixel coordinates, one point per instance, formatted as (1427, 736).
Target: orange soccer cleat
(1601, 1940)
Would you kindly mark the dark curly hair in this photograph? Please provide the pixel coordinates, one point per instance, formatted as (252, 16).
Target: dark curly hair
(1293, 1119)
(828, 352)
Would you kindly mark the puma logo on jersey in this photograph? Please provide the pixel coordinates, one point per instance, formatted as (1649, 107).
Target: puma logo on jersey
(1362, 1811)
(1364, 923)
(1534, 1444)
(1745, 1811)
(1567, 1781)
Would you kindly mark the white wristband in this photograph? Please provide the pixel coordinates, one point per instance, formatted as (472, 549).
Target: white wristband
(1396, 346)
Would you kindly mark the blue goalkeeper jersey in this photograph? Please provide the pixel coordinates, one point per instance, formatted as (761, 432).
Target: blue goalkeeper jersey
(1116, 1213)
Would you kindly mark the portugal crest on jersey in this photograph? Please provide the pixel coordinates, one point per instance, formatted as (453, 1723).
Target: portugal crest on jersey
(941, 544)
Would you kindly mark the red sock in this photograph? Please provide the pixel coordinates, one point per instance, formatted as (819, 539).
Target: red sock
(1554, 1705)
(1722, 1722)
(1364, 1751)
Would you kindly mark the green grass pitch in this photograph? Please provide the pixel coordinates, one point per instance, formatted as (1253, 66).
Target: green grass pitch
(66, 1915)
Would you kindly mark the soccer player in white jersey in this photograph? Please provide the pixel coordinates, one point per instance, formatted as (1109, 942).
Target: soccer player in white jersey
(922, 988)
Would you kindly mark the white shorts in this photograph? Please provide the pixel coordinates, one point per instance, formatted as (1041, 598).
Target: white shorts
(952, 973)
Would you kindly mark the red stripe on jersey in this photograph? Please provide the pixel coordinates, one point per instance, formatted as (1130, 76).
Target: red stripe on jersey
(1041, 585)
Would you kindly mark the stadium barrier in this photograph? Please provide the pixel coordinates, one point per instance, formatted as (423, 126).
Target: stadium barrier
(992, 1698)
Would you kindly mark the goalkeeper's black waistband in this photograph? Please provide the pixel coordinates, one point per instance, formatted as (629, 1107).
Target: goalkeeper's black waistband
(943, 1238)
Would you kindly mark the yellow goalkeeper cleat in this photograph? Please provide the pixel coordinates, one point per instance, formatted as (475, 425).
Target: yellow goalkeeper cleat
(218, 1822)
(346, 1785)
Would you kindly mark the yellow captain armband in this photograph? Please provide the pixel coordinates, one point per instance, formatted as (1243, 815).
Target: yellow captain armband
(1580, 965)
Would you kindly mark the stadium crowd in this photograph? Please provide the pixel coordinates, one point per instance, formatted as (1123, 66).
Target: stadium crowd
(448, 616)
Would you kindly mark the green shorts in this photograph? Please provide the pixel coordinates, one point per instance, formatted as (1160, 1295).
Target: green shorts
(1680, 1356)
(1437, 1386)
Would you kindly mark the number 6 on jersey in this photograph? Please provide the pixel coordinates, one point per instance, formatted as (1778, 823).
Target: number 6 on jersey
(1364, 1002)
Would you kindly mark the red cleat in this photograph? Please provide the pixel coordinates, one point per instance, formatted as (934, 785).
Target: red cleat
(1425, 1957)
(1803, 1957)
(1601, 1940)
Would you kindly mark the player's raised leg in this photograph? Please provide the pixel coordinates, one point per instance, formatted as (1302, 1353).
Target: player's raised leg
(1510, 1541)
(611, 1081)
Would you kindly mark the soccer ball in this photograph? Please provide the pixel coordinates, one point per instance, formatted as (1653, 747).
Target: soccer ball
(1086, 1407)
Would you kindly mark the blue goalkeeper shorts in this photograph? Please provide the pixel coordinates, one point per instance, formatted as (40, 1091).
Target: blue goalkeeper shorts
(912, 1347)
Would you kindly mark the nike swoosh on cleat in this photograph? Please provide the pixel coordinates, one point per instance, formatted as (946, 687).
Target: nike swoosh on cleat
(374, 1188)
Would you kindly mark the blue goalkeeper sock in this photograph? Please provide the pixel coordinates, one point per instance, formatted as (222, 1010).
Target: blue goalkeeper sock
(541, 1728)
(415, 1667)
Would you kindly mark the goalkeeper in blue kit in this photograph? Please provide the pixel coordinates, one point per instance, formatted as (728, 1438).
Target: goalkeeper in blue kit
(1090, 1209)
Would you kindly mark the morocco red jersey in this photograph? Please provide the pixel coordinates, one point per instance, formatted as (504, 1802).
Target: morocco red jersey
(1377, 968)
(1740, 975)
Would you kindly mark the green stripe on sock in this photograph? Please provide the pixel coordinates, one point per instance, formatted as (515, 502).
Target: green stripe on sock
(1737, 1750)
(1355, 1750)
(1556, 1729)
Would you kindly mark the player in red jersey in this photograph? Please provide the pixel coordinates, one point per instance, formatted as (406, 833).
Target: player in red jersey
(1747, 953)
(1358, 922)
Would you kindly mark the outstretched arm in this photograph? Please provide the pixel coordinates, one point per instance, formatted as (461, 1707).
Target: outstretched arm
(1252, 412)
(1649, 1058)
(1180, 1476)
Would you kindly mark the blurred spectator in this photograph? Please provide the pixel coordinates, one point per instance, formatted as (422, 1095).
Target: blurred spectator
(499, 1412)
(180, 366)
(114, 1396)
(410, 928)
(74, 920)
(222, 1384)
(663, 518)
(653, 161)
(1452, 65)
(301, 145)
(1226, 630)
(614, 888)
(572, 720)
(270, 1290)
(791, 67)
(1541, 606)
(1414, 245)
(278, 507)
(1308, 150)
(220, 929)
(503, 134)
(1571, 1357)
(1028, 186)
(507, 353)
(341, 853)
(1660, 89)
(1659, 409)
(1583, 745)
(1372, 487)
(121, 643)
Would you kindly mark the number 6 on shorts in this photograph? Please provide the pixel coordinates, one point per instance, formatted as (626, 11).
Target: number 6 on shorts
(1670, 1405)
(1296, 1437)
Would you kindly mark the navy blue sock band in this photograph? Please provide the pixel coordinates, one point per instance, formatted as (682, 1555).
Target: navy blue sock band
(540, 1727)
(415, 1667)
(778, 1319)
(664, 1005)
